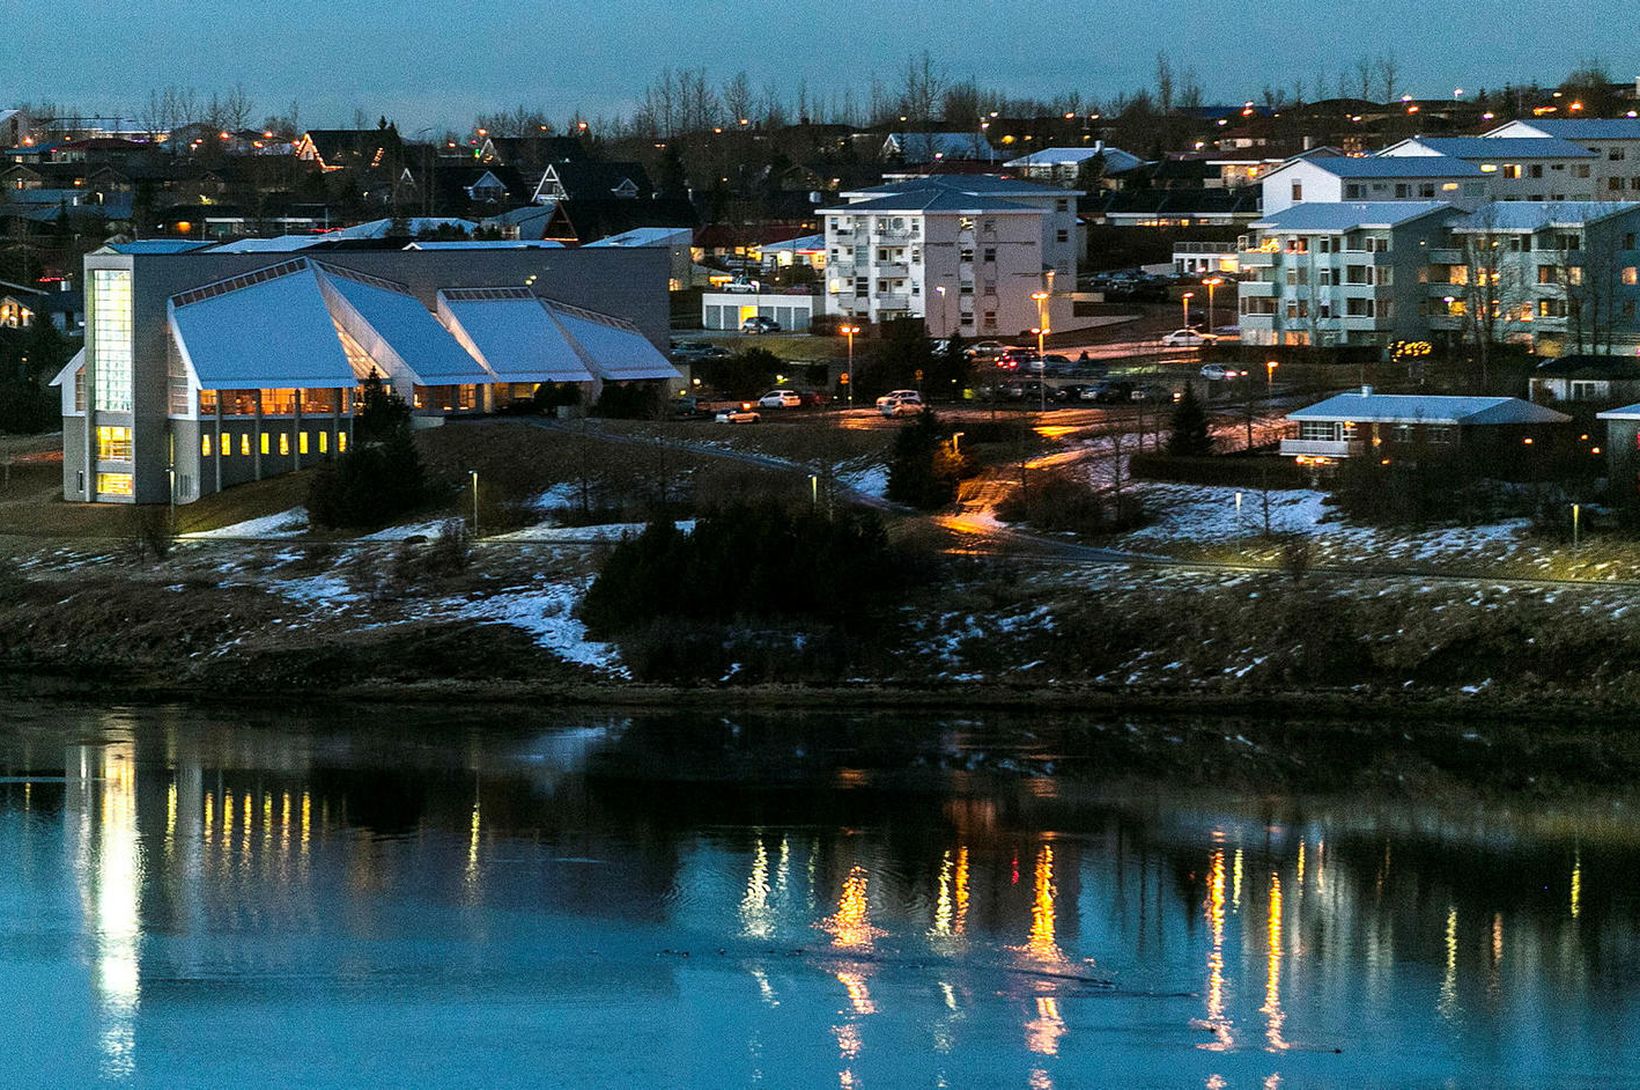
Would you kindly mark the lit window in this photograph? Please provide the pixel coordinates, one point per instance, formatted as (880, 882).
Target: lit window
(245, 444)
(205, 446)
(114, 444)
(116, 484)
(302, 443)
(267, 443)
(284, 443)
(324, 442)
(110, 324)
(341, 442)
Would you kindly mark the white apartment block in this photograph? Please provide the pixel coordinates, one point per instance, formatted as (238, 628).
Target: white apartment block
(1614, 144)
(963, 253)
(1330, 179)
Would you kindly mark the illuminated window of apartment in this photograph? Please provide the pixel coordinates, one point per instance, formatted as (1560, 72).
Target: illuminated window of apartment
(278, 402)
(116, 484)
(302, 443)
(341, 442)
(1631, 275)
(204, 446)
(284, 443)
(245, 444)
(324, 442)
(113, 444)
(1511, 170)
(267, 443)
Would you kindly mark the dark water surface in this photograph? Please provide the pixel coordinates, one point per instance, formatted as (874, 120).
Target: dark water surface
(378, 898)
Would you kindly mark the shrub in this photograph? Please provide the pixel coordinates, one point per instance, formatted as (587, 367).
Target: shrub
(631, 401)
(368, 486)
(924, 471)
(1060, 502)
(1190, 435)
(149, 533)
(747, 373)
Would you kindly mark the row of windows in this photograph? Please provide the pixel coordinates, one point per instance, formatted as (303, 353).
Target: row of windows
(207, 447)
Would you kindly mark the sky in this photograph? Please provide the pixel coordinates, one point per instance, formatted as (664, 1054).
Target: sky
(429, 64)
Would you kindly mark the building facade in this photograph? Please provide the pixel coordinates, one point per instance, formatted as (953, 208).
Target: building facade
(204, 369)
(964, 253)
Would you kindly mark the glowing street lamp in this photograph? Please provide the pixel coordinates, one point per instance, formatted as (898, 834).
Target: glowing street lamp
(1270, 374)
(473, 473)
(1211, 282)
(848, 376)
(1041, 332)
(1189, 295)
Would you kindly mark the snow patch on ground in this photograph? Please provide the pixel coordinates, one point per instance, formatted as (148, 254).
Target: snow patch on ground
(609, 531)
(316, 590)
(286, 524)
(548, 614)
(871, 481)
(428, 530)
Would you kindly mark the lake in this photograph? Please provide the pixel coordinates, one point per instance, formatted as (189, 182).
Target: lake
(383, 897)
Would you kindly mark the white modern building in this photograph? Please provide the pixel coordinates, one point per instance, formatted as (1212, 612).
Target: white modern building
(963, 252)
(1062, 166)
(1614, 142)
(1333, 179)
(206, 368)
(726, 310)
(1527, 169)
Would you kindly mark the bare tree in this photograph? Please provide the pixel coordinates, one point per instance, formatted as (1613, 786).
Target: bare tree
(1164, 83)
(1363, 75)
(923, 88)
(737, 96)
(1389, 74)
(1489, 285)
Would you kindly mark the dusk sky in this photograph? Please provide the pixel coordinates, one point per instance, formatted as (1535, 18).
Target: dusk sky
(427, 64)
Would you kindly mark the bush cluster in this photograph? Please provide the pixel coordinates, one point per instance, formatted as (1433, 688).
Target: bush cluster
(379, 478)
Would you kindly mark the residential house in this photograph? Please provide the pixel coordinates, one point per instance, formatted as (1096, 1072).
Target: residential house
(1333, 179)
(593, 180)
(931, 147)
(1585, 380)
(1064, 166)
(1614, 142)
(1529, 169)
(1506, 432)
(363, 149)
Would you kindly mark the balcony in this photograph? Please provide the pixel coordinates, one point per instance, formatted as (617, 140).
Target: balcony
(896, 234)
(1258, 259)
(891, 270)
(1446, 256)
(1322, 448)
(892, 301)
(1257, 289)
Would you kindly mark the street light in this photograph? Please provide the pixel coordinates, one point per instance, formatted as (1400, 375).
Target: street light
(848, 376)
(473, 473)
(1270, 374)
(1041, 332)
(944, 332)
(1189, 295)
(1211, 282)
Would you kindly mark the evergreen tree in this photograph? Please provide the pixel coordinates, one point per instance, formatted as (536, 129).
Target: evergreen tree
(924, 471)
(380, 477)
(1190, 435)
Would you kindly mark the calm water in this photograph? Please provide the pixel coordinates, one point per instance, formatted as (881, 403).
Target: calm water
(191, 899)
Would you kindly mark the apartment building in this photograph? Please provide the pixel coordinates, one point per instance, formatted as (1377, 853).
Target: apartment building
(1340, 273)
(1614, 143)
(963, 252)
(1544, 168)
(206, 367)
(1556, 277)
(1332, 179)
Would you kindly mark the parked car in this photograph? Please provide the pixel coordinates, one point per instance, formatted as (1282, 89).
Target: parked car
(1055, 364)
(686, 407)
(1029, 390)
(1016, 358)
(1154, 391)
(738, 414)
(1112, 391)
(1079, 391)
(1187, 338)
(1217, 372)
(984, 350)
(900, 403)
(760, 323)
(813, 399)
(741, 285)
(780, 399)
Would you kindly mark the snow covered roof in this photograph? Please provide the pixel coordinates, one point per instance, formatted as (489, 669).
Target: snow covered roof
(1488, 147)
(1584, 128)
(932, 200)
(1348, 215)
(483, 244)
(972, 185)
(283, 244)
(1116, 160)
(1388, 166)
(612, 349)
(400, 334)
(270, 329)
(420, 225)
(805, 244)
(511, 333)
(650, 236)
(1373, 408)
(153, 246)
(1539, 215)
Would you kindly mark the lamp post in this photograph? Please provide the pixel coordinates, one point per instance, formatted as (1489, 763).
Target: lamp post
(944, 332)
(1210, 283)
(1189, 295)
(1041, 332)
(1577, 518)
(848, 376)
(1270, 375)
(473, 473)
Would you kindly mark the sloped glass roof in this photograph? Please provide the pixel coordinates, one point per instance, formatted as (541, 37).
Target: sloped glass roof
(272, 333)
(615, 351)
(398, 331)
(511, 332)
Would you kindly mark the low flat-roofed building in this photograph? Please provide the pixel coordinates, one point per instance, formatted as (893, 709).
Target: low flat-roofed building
(1369, 424)
(205, 368)
(726, 310)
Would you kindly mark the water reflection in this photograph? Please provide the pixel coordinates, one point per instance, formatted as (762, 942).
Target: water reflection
(651, 877)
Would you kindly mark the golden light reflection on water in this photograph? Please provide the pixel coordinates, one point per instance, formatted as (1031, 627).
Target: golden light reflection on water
(1042, 944)
(1235, 886)
(853, 981)
(1448, 1002)
(1214, 908)
(1042, 1033)
(1577, 885)
(850, 926)
(108, 867)
(944, 910)
(1274, 1017)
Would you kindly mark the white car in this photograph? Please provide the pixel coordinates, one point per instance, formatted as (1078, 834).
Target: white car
(1215, 372)
(893, 396)
(738, 414)
(1187, 338)
(780, 399)
(900, 403)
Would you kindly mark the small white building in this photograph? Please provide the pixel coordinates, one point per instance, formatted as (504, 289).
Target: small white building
(1527, 169)
(1062, 166)
(726, 310)
(1614, 142)
(1333, 179)
(1364, 422)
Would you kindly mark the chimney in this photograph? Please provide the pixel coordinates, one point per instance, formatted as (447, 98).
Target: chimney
(1366, 391)
(1309, 143)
